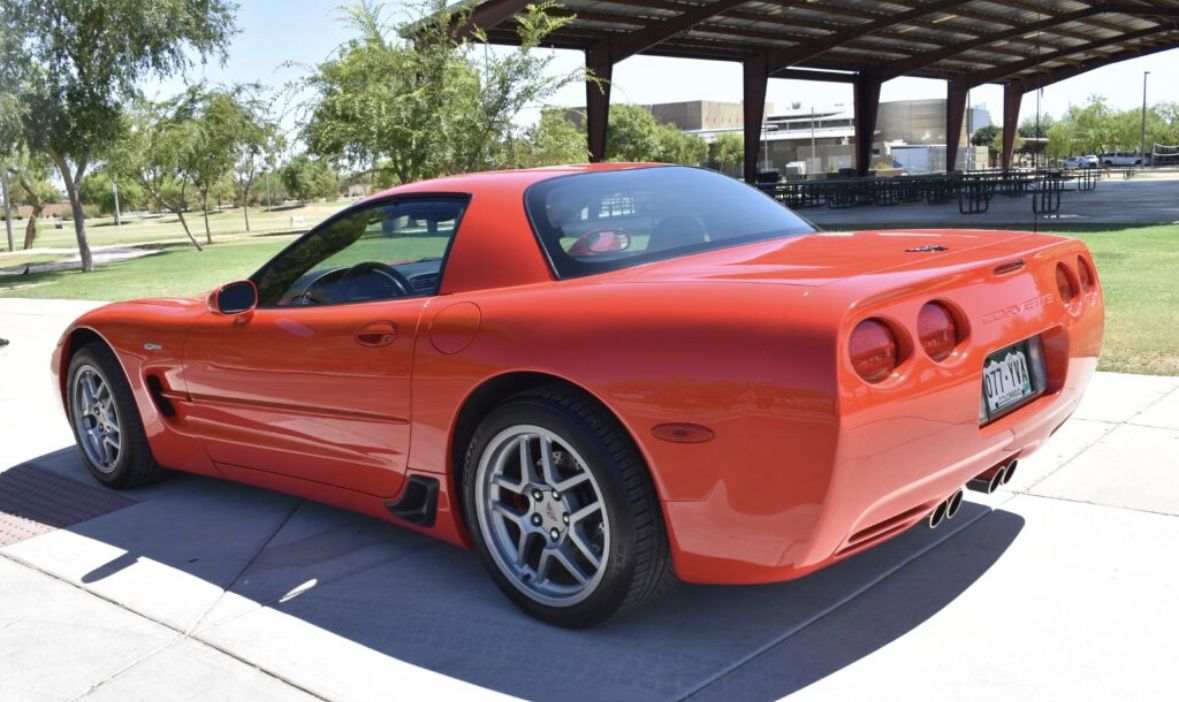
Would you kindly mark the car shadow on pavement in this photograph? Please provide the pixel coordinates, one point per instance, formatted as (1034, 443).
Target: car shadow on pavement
(234, 555)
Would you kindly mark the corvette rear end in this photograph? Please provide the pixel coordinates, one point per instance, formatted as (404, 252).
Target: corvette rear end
(954, 355)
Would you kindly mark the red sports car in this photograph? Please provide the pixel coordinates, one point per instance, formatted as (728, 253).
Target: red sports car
(603, 377)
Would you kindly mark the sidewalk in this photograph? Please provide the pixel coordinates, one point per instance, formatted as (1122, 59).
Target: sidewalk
(1062, 588)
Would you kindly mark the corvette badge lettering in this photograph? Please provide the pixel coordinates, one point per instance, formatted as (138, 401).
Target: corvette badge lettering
(1026, 306)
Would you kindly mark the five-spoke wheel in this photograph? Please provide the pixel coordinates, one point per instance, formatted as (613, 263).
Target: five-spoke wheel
(106, 420)
(96, 419)
(561, 509)
(542, 515)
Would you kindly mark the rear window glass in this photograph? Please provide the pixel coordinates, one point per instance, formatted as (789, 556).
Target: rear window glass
(594, 222)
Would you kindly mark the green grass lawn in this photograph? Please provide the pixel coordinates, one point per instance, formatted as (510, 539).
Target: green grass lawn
(166, 228)
(1139, 270)
(177, 270)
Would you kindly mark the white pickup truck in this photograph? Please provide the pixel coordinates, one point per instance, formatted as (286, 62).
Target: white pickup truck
(1120, 158)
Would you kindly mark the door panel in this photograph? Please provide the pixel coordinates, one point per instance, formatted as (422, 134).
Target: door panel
(298, 391)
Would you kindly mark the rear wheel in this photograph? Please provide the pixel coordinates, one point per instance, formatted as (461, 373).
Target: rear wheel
(106, 422)
(562, 510)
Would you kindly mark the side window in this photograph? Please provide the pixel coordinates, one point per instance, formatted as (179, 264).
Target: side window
(384, 251)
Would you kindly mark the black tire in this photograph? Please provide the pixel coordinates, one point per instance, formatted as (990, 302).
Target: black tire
(637, 564)
(132, 464)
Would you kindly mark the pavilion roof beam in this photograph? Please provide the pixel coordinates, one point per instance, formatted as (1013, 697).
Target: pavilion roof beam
(991, 18)
(925, 59)
(1046, 78)
(778, 59)
(1010, 69)
(490, 14)
(627, 45)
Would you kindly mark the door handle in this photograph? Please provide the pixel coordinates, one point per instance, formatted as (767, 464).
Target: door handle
(377, 334)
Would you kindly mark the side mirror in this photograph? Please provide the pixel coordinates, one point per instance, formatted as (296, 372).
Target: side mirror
(234, 298)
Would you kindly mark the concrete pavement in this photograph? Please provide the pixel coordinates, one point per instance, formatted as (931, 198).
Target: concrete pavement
(1061, 588)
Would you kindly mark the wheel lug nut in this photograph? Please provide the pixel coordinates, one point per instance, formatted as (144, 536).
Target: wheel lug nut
(556, 495)
(555, 534)
(565, 518)
(536, 520)
(537, 495)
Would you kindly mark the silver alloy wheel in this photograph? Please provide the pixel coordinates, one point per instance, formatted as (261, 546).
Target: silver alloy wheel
(95, 418)
(542, 515)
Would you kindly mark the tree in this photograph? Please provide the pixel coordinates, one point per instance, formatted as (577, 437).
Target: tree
(985, 136)
(631, 134)
(77, 61)
(1036, 128)
(305, 178)
(30, 175)
(674, 146)
(420, 99)
(728, 150)
(154, 152)
(220, 123)
(98, 189)
(554, 140)
(257, 144)
(634, 135)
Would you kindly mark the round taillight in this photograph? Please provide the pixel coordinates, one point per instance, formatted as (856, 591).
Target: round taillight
(873, 350)
(936, 331)
(1066, 284)
(1088, 280)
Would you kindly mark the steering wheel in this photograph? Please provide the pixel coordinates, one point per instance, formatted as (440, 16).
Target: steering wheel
(394, 284)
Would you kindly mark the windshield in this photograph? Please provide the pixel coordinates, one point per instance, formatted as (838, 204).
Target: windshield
(594, 222)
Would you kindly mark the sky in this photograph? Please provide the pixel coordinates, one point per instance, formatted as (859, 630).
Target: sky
(274, 33)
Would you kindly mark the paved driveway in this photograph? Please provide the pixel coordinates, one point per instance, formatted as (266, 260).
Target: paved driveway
(1061, 588)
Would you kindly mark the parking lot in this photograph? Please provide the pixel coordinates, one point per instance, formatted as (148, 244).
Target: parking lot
(1060, 587)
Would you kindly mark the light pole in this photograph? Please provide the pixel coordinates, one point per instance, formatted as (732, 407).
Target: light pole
(1142, 149)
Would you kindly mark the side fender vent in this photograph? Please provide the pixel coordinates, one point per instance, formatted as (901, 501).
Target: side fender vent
(418, 502)
(163, 404)
(930, 248)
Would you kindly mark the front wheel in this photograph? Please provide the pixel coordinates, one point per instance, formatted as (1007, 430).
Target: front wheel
(562, 510)
(106, 422)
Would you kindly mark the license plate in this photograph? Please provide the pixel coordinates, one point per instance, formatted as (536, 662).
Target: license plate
(1010, 378)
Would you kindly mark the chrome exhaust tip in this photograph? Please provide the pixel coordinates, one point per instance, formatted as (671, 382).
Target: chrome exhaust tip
(991, 484)
(1009, 472)
(997, 479)
(953, 503)
(938, 514)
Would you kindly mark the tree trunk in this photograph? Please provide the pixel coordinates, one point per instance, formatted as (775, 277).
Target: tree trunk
(246, 205)
(184, 223)
(36, 208)
(71, 183)
(205, 207)
(7, 206)
(30, 232)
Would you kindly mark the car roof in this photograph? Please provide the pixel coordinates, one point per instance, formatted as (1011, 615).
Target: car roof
(518, 179)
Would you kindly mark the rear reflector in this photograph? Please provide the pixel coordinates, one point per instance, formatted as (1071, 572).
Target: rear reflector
(873, 350)
(1066, 284)
(936, 331)
(1088, 280)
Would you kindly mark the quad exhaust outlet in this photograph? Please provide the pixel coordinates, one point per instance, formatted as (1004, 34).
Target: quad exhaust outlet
(989, 481)
(946, 509)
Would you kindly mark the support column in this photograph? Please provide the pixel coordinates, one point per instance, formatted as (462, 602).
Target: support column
(867, 104)
(597, 102)
(754, 106)
(1012, 96)
(955, 110)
